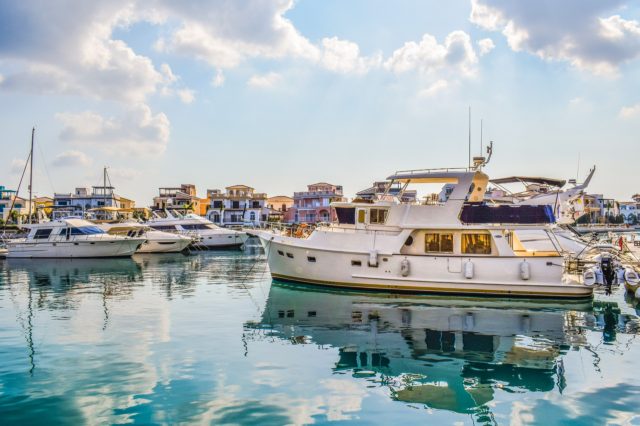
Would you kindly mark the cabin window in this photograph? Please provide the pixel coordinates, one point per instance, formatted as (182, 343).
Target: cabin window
(163, 227)
(346, 215)
(311, 259)
(196, 226)
(86, 230)
(438, 243)
(476, 243)
(361, 216)
(378, 215)
(42, 234)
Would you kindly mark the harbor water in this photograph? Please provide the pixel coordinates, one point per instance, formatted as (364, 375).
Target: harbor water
(211, 339)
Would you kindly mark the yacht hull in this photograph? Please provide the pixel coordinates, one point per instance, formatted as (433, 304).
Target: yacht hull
(493, 276)
(73, 249)
(219, 240)
(165, 245)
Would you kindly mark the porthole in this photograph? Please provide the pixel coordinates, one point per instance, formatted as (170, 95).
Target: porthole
(409, 241)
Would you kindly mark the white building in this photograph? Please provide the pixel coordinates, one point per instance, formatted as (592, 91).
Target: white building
(238, 205)
(81, 201)
(629, 209)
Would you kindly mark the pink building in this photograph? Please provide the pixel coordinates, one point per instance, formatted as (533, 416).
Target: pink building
(312, 206)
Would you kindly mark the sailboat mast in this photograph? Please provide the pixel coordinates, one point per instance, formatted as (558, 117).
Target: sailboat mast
(104, 185)
(33, 131)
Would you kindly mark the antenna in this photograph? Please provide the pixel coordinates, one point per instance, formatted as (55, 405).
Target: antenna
(469, 125)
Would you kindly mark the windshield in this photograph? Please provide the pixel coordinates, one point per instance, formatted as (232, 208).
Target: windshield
(86, 230)
(198, 226)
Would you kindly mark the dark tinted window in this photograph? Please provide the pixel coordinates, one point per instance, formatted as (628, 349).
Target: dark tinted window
(346, 215)
(42, 234)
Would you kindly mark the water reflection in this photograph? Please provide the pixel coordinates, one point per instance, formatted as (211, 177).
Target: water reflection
(439, 352)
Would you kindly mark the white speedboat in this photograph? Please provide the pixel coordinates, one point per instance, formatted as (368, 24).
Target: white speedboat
(209, 234)
(156, 241)
(71, 238)
(454, 244)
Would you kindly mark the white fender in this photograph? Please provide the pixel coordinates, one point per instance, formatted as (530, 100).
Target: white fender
(525, 271)
(599, 275)
(589, 277)
(637, 293)
(468, 270)
(631, 276)
(404, 267)
(373, 258)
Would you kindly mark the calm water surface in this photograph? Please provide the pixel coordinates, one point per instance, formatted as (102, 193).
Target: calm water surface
(210, 339)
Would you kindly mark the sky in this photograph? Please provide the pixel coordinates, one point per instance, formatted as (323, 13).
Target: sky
(280, 94)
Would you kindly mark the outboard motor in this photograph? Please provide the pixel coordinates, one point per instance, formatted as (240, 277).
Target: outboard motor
(608, 272)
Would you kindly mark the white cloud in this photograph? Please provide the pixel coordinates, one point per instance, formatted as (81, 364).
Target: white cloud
(344, 57)
(54, 51)
(137, 131)
(630, 111)
(435, 88)
(578, 32)
(225, 33)
(218, 79)
(428, 56)
(264, 81)
(186, 95)
(71, 158)
(17, 166)
(485, 46)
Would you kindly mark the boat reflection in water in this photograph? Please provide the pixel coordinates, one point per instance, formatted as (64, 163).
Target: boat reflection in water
(446, 353)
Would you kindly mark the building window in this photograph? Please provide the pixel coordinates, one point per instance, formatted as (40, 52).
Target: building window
(476, 243)
(235, 204)
(252, 216)
(438, 243)
(255, 204)
(378, 215)
(217, 204)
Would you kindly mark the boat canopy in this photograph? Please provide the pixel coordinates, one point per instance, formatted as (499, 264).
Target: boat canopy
(430, 176)
(528, 179)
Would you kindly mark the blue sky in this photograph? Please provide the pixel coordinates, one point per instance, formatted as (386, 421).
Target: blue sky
(279, 94)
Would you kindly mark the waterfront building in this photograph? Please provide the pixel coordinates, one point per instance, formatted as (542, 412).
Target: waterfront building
(82, 200)
(238, 205)
(183, 197)
(278, 207)
(313, 205)
(8, 197)
(629, 211)
(378, 189)
(44, 204)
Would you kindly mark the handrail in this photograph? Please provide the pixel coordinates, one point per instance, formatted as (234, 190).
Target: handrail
(434, 170)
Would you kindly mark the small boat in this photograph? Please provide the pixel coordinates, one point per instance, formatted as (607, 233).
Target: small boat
(156, 241)
(71, 238)
(209, 235)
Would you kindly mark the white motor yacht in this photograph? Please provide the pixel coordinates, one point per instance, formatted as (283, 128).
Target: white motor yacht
(156, 241)
(455, 244)
(209, 234)
(71, 238)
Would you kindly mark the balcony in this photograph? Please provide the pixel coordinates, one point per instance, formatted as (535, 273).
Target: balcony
(316, 194)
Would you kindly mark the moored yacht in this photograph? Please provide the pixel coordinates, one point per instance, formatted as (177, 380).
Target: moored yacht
(453, 244)
(209, 234)
(71, 238)
(155, 241)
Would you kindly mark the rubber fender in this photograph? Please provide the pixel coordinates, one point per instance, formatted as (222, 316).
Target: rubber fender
(525, 271)
(468, 270)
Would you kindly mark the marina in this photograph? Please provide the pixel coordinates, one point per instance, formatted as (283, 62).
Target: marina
(295, 212)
